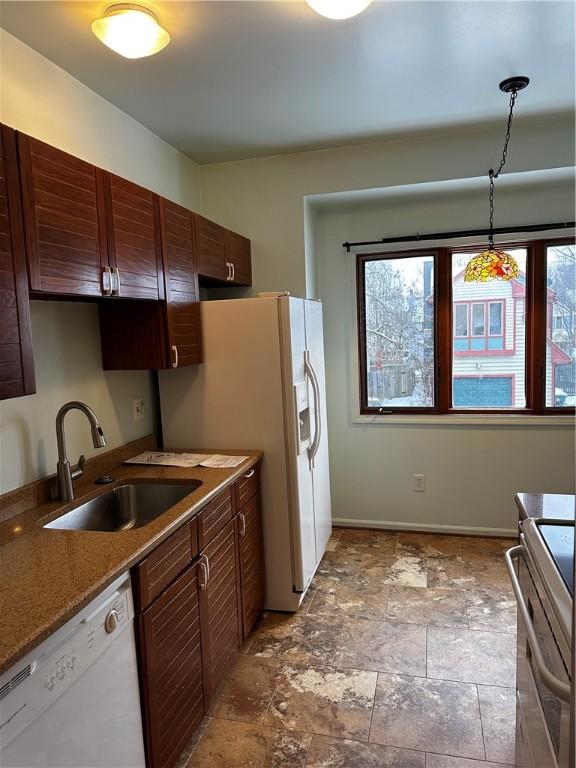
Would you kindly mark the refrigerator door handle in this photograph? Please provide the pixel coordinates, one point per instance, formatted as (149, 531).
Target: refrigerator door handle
(311, 373)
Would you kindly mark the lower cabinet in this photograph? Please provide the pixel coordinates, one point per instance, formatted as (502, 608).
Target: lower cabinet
(251, 556)
(198, 595)
(171, 669)
(219, 605)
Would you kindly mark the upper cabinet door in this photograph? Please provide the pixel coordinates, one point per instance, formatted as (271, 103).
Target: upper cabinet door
(64, 220)
(16, 361)
(238, 255)
(212, 261)
(181, 281)
(134, 240)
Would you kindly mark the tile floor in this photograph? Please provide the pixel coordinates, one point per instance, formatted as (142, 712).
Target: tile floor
(402, 656)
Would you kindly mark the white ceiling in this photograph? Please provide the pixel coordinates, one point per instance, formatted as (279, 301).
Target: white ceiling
(243, 79)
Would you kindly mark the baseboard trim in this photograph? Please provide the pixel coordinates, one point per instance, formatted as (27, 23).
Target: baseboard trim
(391, 525)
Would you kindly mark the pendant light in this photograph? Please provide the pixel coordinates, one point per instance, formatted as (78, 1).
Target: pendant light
(339, 9)
(495, 264)
(131, 30)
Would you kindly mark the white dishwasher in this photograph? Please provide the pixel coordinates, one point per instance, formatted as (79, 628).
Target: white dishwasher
(74, 701)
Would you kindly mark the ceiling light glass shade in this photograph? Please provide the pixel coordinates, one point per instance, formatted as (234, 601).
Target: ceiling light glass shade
(491, 265)
(338, 9)
(131, 31)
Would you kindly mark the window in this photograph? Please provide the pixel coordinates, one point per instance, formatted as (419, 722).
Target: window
(429, 342)
(560, 382)
(398, 327)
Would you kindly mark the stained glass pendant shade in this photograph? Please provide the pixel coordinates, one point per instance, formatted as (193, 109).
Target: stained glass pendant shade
(493, 263)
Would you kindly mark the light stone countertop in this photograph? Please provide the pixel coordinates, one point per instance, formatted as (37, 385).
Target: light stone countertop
(47, 575)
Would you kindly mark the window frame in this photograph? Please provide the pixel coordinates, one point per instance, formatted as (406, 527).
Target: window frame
(535, 309)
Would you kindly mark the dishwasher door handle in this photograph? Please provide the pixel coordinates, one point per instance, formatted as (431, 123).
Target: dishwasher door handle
(557, 686)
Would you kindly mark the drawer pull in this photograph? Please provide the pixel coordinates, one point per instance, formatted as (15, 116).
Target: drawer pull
(250, 473)
(242, 523)
(174, 356)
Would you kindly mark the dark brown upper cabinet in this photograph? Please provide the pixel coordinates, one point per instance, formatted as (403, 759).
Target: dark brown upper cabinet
(224, 257)
(134, 241)
(211, 250)
(239, 258)
(16, 361)
(63, 205)
(181, 279)
(157, 335)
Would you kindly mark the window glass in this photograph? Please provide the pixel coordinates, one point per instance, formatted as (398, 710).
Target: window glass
(478, 319)
(561, 326)
(488, 363)
(495, 319)
(399, 331)
(461, 320)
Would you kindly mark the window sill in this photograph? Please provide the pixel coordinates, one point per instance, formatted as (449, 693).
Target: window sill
(478, 419)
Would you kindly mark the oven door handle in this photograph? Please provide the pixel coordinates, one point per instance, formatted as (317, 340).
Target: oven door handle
(560, 688)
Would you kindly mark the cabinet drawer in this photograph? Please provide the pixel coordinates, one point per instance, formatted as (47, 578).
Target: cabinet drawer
(247, 486)
(162, 566)
(214, 517)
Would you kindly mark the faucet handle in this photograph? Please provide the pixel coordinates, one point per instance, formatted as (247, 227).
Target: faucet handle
(78, 470)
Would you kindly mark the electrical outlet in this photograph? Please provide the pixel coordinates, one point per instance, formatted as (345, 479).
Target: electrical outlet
(419, 483)
(138, 409)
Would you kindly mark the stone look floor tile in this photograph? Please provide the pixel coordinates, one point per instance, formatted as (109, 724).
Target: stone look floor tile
(472, 656)
(382, 646)
(297, 638)
(343, 753)
(228, 744)
(491, 609)
(498, 710)
(356, 544)
(472, 548)
(365, 601)
(403, 570)
(324, 700)
(444, 761)
(428, 545)
(437, 715)
(457, 573)
(445, 607)
(246, 690)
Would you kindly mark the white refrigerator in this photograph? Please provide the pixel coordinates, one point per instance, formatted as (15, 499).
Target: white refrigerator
(262, 386)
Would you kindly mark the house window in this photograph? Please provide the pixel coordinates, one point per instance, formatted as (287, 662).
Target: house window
(430, 342)
(560, 384)
(486, 327)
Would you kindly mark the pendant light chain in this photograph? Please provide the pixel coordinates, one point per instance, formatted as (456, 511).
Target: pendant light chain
(494, 174)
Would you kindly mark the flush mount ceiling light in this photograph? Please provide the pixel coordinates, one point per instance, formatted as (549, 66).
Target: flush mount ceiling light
(131, 30)
(495, 264)
(338, 9)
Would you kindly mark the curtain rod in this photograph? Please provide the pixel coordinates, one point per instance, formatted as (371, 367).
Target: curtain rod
(417, 238)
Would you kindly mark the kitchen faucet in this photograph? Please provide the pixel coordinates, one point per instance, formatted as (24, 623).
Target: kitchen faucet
(66, 473)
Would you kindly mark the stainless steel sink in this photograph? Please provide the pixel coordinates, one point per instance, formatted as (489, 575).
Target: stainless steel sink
(124, 507)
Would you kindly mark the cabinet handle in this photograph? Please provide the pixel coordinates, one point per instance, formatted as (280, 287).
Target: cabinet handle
(106, 281)
(233, 271)
(204, 572)
(174, 356)
(242, 523)
(116, 273)
(250, 473)
(227, 270)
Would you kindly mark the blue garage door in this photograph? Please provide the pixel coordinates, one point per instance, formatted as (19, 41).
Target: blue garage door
(477, 392)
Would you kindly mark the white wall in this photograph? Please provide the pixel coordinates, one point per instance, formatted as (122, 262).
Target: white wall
(41, 99)
(472, 471)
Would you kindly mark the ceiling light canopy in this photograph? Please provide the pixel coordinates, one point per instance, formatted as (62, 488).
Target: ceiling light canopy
(339, 9)
(131, 30)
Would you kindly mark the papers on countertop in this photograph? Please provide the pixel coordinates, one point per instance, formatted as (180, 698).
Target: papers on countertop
(162, 458)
